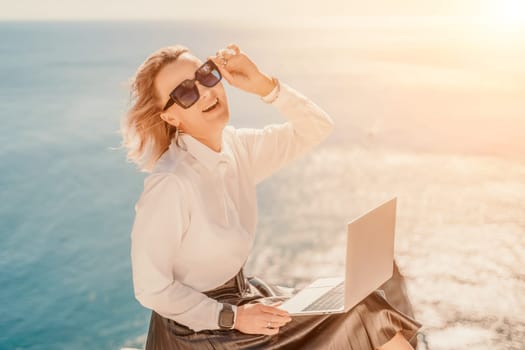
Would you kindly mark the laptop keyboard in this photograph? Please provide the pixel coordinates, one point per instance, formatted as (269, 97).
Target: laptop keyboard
(333, 299)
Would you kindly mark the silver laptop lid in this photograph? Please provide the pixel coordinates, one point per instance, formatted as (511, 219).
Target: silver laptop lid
(370, 252)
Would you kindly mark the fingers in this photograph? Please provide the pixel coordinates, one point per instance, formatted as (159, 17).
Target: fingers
(229, 50)
(226, 54)
(235, 48)
(230, 54)
(275, 316)
(272, 325)
(228, 61)
(224, 72)
(273, 310)
(270, 331)
(261, 319)
(269, 328)
(275, 322)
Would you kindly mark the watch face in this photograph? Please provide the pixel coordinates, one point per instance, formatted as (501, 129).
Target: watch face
(226, 317)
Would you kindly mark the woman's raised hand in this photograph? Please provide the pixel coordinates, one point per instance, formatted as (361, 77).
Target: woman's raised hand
(256, 318)
(241, 72)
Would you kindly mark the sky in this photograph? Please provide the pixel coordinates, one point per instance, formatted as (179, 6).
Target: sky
(242, 10)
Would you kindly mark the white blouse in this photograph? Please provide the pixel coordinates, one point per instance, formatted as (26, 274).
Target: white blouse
(195, 221)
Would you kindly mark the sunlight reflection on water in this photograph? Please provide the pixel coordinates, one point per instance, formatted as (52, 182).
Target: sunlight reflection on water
(460, 230)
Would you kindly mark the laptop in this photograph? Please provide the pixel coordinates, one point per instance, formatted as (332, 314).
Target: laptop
(369, 263)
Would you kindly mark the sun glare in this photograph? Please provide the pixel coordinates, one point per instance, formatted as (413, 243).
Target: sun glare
(505, 15)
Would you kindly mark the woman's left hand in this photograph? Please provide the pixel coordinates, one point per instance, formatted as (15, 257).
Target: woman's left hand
(241, 72)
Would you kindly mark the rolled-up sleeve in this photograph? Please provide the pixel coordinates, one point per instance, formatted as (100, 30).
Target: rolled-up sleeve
(161, 218)
(275, 145)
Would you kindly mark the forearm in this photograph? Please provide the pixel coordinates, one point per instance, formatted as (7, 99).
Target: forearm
(275, 145)
(183, 305)
(265, 84)
(310, 122)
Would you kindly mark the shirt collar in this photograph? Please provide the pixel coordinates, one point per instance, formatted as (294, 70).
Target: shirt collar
(203, 153)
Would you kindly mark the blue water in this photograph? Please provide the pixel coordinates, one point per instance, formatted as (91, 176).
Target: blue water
(67, 197)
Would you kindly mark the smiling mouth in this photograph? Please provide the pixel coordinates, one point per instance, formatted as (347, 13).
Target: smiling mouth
(215, 104)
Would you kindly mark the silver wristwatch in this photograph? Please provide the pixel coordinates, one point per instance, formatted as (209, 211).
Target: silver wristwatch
(227, 316)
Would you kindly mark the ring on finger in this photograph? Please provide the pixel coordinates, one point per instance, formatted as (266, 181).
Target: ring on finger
(269, 324)
(224, 62)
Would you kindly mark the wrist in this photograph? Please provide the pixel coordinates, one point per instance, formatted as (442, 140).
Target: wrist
(274, 94)
(227, 316)
(265, 85)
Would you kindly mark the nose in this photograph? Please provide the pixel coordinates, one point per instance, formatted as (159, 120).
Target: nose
(206, 92)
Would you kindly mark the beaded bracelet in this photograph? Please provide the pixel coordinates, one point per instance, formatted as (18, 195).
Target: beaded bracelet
(272, 96)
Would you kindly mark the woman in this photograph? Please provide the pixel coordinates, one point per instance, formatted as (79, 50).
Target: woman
(195, 220)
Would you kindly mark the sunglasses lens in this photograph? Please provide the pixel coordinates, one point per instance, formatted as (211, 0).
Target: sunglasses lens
(209, 75)
(186, 94)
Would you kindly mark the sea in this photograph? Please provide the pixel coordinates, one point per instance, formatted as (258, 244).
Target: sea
(429, 110)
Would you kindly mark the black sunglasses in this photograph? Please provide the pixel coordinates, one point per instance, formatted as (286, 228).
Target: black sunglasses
(186, 93)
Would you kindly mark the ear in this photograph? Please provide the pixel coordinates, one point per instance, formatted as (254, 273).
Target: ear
(170, 119)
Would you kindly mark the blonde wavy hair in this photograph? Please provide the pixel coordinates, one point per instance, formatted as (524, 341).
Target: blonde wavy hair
(145, 134)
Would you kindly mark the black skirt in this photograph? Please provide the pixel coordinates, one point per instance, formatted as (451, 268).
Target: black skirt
(367, 326)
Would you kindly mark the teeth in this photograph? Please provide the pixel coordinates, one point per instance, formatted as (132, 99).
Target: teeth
(213, 104)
